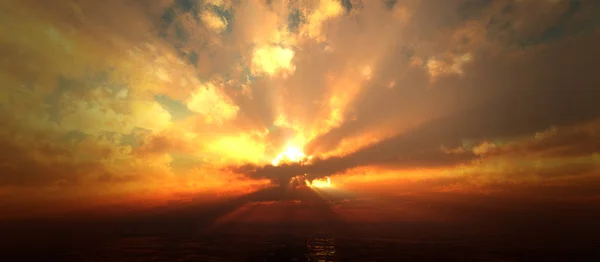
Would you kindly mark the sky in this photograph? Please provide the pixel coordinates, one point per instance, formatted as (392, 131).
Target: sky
(150, 103)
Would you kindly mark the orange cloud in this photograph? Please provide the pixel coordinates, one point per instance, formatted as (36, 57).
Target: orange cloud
(272, 59)
(184, 98)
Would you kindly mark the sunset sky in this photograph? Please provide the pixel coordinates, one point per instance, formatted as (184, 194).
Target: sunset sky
(149, 103)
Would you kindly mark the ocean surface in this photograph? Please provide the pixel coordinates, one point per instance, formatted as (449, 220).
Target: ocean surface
(260, 227)
(274, 243)
(318, 249)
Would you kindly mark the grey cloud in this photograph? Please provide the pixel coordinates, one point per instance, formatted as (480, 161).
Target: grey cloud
(413, 150)
(569, 141)
(19, 168)
(500, 73)
(553, 84)
(501, 98)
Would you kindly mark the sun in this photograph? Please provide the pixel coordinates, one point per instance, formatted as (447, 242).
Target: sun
(290, 154)
(293, 154)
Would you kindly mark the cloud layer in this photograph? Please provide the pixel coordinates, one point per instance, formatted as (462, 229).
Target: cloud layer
(102, 100)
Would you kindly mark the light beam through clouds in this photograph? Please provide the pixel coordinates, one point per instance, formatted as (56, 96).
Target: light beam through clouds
(118, 101)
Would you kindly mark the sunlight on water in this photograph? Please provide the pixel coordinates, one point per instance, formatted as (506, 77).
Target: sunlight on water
(321, 249)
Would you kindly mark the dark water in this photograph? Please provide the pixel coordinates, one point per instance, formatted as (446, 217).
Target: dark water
(302, 245)
(215, 249)
(193, 233)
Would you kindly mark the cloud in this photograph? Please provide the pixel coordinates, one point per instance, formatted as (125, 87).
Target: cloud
(260, 24)
(413, 150)
(241, 148)
(207, 101)
(214, 21)
(163, 143)
(419, 148)
(577, 140)
(272, 59)
(438, 68)
(496, 97)
(319, 14)
(173, 92)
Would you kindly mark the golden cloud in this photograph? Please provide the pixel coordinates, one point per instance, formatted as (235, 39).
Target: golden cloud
(451, 66)
(272, 60)
(92, 105)
(325, 9)
(213, 21)
(208, 101)
(237, 149)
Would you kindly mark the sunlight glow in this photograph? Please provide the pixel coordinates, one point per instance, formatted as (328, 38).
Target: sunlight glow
(272, 59)
(319, 183)
(302, 180)
(291, 154)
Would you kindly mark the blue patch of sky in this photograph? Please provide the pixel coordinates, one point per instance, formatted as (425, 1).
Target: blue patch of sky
(558, 30)
(390, 3)
(574, 7)
(566, 26)
(176, 108)
(186, 5)
(347, 5)
(498, 27)
(295, 19)
(172, 30)
(192, 58)
(168, 17)
(248, 73)
(225, 13)
(180, 32)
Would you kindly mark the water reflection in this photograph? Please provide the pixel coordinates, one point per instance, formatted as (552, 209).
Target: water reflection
(261, 247)
(321, 249)
(217, 248)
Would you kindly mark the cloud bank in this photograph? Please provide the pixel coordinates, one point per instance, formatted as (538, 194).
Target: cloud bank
(102, 100)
